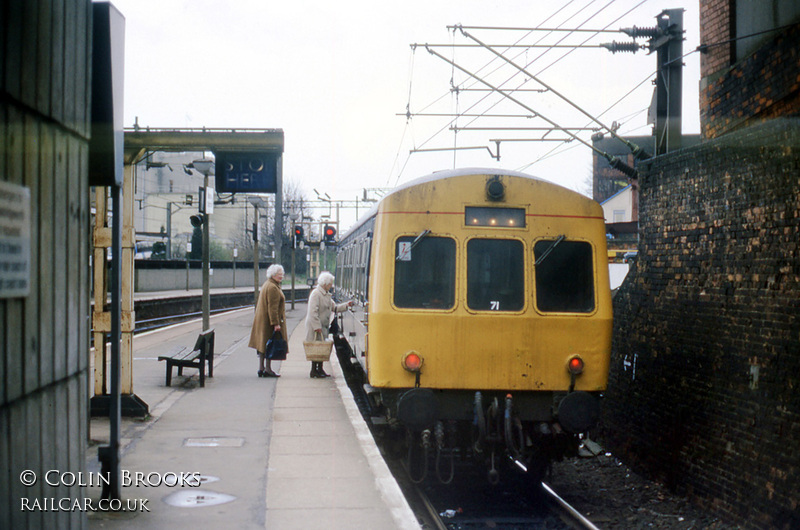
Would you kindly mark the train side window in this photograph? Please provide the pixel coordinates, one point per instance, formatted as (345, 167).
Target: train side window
(425, 274)
(495, 275)
(564, 277)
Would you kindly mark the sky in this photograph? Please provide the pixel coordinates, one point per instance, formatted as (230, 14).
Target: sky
(339, 77)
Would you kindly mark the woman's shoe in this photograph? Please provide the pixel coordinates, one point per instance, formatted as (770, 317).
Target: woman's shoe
(270, 373)
(261, 373)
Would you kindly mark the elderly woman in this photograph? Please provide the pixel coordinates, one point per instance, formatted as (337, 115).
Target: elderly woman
(318, 318)
(270, 317)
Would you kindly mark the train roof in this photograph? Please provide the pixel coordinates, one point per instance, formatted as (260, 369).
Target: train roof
(441, 175)
(449, 173)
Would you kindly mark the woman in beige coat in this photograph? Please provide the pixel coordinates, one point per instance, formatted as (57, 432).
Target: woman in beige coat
(270, 317)
(318, 318)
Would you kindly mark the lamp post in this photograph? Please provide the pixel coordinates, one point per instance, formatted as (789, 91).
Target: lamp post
(256, 202)
(294, 216)
(204, 166)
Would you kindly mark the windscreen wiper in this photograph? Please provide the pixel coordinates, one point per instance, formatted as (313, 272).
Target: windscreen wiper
(549, 250)
(414, 243)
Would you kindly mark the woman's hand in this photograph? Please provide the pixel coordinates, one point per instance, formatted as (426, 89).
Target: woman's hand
(318, 330)
(277, 327)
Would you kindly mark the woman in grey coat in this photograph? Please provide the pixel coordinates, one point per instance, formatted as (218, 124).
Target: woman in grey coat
(320, 308)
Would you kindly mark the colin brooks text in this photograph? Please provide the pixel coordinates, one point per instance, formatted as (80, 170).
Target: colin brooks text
(51, 504)
(128, 479)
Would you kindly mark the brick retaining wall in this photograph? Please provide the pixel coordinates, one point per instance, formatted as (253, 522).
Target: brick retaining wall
(704, 392)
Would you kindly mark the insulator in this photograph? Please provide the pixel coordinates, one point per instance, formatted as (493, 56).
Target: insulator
(615, 47)
(619, 165)
(635, 32)
(640, 154)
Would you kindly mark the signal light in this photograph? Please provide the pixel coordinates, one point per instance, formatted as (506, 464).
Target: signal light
(329, 233)
(575, 365)
(298, 233)
(197, 220)
(412, 362)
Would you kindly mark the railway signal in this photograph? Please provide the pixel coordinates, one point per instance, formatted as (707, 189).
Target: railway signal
(330, 234)
(298, 234)
(197, 220)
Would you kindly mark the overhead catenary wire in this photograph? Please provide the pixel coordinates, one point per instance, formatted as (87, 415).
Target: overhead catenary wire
(487, 113)
(526, 46)
(543, 53)
(551, 64)
(551, 30)
(703, 48)
(615, 162)
(551, 152)
(413, 47)
(635, 149)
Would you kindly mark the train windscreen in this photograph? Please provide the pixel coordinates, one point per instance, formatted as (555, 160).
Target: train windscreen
(564, 276)
(495, 275)
(425, 272)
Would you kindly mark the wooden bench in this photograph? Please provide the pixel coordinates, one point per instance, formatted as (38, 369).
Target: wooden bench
(199, 357)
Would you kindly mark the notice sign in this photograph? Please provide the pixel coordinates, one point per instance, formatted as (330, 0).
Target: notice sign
(15, 240)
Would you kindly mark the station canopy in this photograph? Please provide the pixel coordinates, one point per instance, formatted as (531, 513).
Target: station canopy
(247, 160)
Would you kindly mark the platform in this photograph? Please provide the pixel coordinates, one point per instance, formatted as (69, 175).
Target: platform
(286, 453)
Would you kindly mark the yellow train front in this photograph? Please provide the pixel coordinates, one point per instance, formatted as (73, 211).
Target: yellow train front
(485, 328)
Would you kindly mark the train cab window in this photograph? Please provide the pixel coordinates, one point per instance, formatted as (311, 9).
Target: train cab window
(425, 273)
(564, 276)
(495, 275)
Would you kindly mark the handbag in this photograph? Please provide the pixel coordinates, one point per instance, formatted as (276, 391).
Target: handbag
(277, 348)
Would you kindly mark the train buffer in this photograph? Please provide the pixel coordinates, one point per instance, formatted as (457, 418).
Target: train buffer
(201, 356)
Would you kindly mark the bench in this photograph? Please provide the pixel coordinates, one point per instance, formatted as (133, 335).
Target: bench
(199, 357)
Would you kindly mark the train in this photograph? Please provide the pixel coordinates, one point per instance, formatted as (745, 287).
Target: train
(484, 319)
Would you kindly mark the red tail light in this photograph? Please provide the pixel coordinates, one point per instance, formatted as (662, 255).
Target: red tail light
(575, 365)
(412, 362)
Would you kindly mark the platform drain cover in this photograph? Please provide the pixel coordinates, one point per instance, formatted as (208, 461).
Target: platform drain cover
(191, 481)
(197, 498)
(214, 441)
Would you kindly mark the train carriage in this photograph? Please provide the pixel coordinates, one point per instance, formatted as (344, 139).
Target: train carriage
(485, 315)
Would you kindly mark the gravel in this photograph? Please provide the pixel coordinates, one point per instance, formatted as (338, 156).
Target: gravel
(612, 496)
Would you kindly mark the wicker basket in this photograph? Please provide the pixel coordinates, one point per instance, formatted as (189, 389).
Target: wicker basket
(318, 350)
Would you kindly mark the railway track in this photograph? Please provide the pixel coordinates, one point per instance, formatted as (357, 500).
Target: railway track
(470, 502)
(504, 508)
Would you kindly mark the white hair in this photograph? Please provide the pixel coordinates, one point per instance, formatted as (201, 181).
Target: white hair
(325, 278)
(274, 269)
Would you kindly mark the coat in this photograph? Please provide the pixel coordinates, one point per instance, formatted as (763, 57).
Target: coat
(270, 311)
(320, 308)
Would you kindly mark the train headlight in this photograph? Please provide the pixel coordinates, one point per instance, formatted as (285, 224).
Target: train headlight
(575, 365)
(412, 361)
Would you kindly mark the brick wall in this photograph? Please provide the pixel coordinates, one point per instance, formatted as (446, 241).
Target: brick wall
(704, 393)
(761, 87)
(715, 27)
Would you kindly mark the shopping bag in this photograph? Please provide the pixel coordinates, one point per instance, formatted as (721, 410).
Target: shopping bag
(318, 350)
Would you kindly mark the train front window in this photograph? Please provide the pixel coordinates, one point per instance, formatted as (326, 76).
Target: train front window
(425, 272)
(495, 275)
(564, 276)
